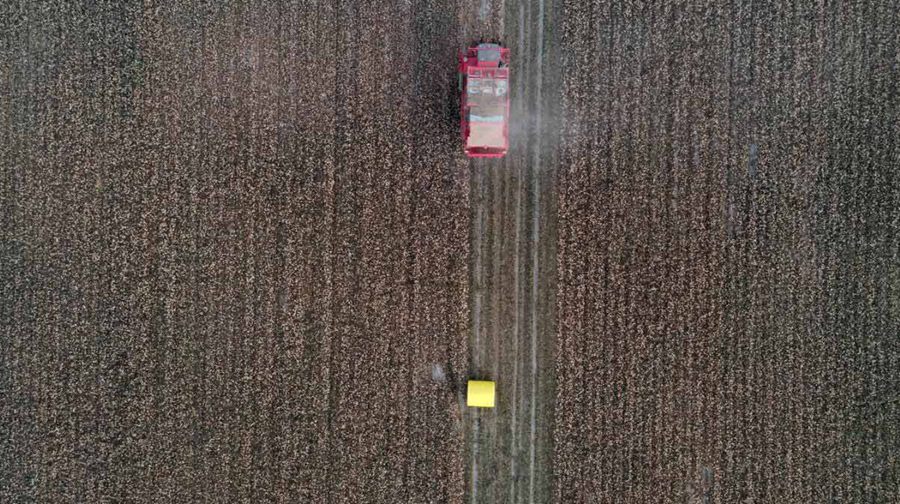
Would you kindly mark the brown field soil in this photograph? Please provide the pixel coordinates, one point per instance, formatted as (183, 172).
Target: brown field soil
(729, 228)
(243, 258)
(235, 243)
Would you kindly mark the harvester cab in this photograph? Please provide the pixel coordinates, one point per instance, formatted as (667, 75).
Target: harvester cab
(484, 100)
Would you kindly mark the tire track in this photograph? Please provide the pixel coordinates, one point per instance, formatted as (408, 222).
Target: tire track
(535, 237)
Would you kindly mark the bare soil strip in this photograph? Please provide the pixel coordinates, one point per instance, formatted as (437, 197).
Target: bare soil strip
(509, 446)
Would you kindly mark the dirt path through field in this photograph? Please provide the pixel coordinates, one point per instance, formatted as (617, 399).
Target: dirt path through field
(512, 273)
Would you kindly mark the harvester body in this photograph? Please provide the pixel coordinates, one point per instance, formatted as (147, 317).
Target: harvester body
(484, 100)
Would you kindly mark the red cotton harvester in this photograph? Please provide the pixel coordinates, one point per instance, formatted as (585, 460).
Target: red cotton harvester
(484, 100)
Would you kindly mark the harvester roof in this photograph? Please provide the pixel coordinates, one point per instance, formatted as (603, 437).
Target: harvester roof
(484, 104)
(487, 101)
